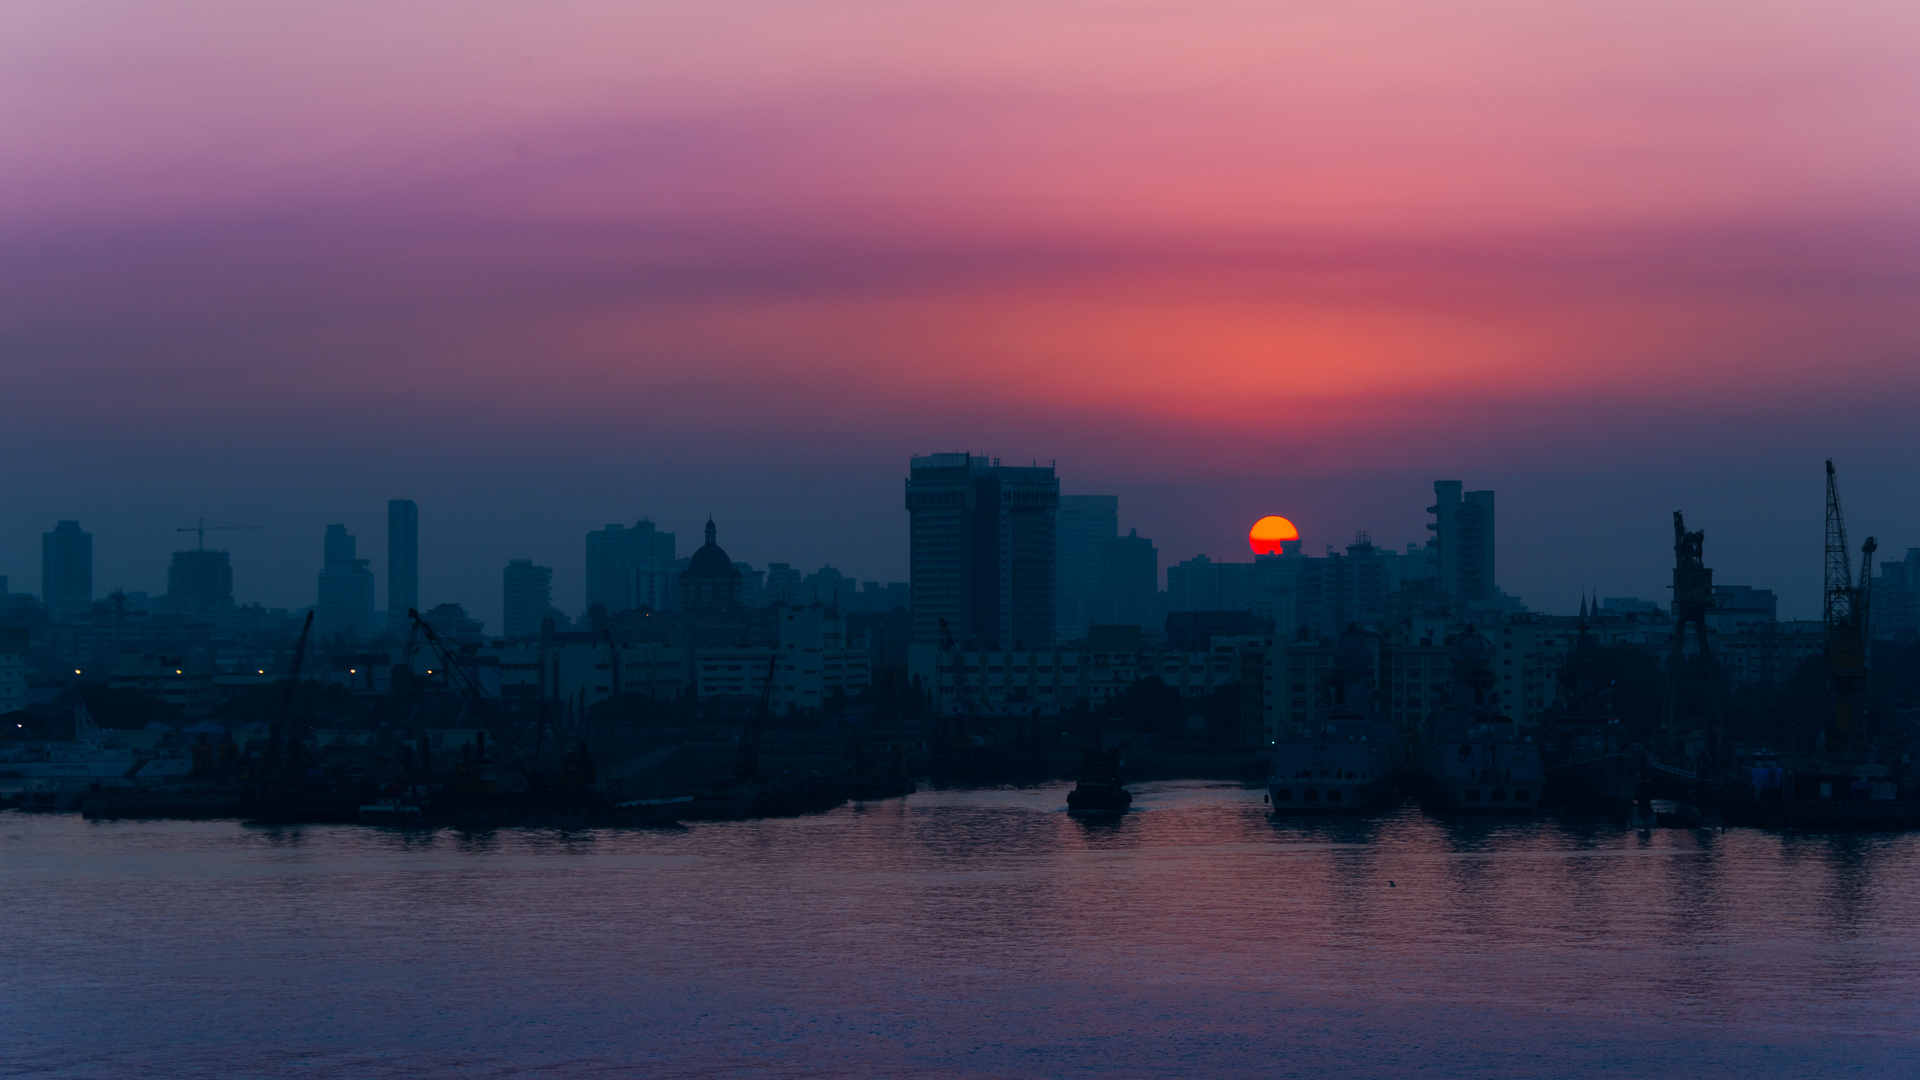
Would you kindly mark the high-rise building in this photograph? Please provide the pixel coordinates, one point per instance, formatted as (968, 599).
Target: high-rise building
(629, 568)
(1130, 582)
(1462, 530)
(526, 597)
(66, 570)
(1083, 527)
(199, 581)
(345, 608)
(403, 560)
(982, 551)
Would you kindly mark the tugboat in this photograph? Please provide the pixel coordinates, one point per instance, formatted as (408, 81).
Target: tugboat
(1351, 757)
(1475, 758)
(1590, 756)
(1099, 792)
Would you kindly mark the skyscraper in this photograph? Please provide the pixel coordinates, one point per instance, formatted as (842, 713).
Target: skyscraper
(526, 597)
(403, 560)
(1462, 530)
(982, 550)
(630, 568)
(66, 570)
(1083, 528)
(346, 589)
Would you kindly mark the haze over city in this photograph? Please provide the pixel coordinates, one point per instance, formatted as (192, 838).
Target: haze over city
(834, 538)
(1222, 260)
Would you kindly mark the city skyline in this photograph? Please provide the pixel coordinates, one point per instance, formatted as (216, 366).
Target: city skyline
(544, 277)
(479, 592)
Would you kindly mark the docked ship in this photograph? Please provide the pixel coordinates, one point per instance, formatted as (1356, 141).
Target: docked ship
(1473, 756)
(1350, 757)
(1591, 758)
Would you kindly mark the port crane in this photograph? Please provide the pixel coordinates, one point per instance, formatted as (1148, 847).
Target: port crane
(462, 678)
(1846, 618)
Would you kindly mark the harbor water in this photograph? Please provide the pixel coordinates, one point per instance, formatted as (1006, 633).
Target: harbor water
(961, 934)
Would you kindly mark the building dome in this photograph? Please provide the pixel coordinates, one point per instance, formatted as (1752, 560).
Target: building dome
(710, 578)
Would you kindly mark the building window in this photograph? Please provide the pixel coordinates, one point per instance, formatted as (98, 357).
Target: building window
(1471, 795)
(1283, 795)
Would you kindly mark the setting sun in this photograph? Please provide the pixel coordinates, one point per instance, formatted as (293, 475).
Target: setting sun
(1269, 533)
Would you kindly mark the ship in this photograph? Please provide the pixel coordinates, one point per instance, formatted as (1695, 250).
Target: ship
(1591, 757)
(1099, 792)
(1350, 756)
(1474, 757)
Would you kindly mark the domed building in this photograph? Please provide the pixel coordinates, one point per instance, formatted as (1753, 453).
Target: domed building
(710, 579)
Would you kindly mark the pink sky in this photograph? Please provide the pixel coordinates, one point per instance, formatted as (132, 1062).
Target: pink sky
(1292, 249)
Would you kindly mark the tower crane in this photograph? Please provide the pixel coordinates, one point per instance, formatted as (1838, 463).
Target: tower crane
(201, 529)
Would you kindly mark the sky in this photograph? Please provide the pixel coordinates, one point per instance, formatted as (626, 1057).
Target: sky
(543, 267)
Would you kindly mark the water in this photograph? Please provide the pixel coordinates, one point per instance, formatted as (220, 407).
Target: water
(960, 934)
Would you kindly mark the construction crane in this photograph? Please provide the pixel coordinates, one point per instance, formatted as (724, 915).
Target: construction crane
(459, 675)
(280, 741)
(1846, 619)
(201, 530)
(749, 767)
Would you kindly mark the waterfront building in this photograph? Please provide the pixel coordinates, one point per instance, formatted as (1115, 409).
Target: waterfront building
(345, 607)
(810, 662)
(184, 682)
(526, 598)
(66, 570)
(982, 550)
(1003, 680)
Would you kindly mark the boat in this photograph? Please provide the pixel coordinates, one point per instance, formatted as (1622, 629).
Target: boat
(1350, 757)
(1473, 757)
(1591, 757)
(1099, 792)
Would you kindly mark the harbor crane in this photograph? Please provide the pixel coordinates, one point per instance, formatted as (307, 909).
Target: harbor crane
(1846, 619)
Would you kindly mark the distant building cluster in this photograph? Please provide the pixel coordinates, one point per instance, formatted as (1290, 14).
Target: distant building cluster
(1021, 600)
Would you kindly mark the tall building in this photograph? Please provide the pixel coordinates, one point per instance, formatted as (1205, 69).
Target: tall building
(403, 560)
(526, 597)
(1130, 582)
(629, 568)
(199, 581)
(345, 608)
(1082, 529)
(982, 552)
(1462, 530)
(66, 570)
